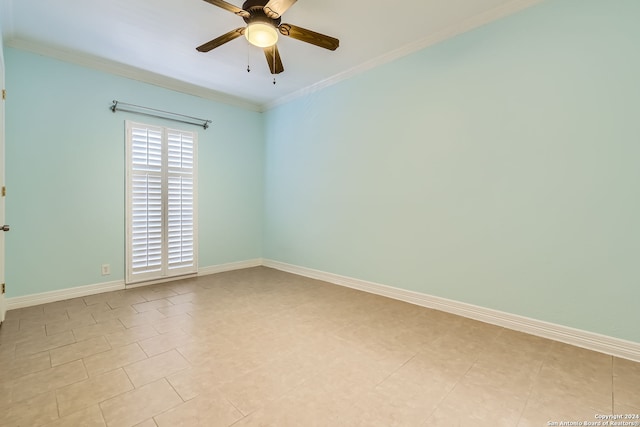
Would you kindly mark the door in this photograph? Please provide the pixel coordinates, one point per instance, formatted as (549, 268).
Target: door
(2, 300)
(161, 203)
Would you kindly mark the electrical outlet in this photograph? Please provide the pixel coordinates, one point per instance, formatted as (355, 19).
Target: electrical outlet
(106, 269)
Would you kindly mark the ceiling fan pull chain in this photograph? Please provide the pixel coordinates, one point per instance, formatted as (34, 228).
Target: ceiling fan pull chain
(274, 63)
(248, 58)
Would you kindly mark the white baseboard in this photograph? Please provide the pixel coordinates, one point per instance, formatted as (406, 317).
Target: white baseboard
(589, 340)
(158, 281)
(83, 291)
(63, 294)
(257, 262)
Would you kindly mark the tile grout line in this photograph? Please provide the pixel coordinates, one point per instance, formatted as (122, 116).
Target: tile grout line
(237, 409)
(613, 406)
(396, 370)
(171, 408)
(56, 390)
(531, 387)
(57, 403)
(475, 361)
(438, 404)
(102, 412)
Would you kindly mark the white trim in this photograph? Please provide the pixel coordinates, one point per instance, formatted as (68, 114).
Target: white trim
(63, 294)
(158, 281)
(589, 340)
(447, 33)
(128, 71)
(3, 302)
(83, 291)
(162, 175)
(212, 269)
(123, 70)
(221, 268)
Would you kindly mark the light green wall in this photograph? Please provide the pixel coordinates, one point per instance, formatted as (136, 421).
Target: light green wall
(65, 174)
(1, 45)
(499, 168)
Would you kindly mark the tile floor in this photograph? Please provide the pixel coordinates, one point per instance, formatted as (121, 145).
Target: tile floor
(259, 347)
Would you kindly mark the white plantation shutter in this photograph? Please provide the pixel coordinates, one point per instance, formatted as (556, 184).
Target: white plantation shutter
(180, 212)
(146, 206)
(146, 229)
(161, 205)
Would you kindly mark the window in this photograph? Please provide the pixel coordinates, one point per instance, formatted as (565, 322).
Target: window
(161, 203)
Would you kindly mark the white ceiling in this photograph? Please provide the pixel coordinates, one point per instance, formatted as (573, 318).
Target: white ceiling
(155, 40)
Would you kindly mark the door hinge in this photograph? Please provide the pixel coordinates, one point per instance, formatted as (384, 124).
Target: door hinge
(4, 191)
(3, 289)
(4, 94)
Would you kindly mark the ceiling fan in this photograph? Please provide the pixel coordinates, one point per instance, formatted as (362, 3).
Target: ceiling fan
(263, 18)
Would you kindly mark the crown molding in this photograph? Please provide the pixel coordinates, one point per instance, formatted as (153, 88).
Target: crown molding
(123, 70)
(447, 33)
(145, 76)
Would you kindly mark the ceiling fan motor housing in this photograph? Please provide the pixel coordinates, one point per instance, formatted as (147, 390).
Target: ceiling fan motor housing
(263, 19)
(257, 13)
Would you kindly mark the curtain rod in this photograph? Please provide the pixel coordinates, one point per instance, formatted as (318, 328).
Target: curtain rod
(132, 108)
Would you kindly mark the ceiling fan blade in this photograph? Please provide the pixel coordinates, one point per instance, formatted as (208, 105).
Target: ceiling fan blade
(228, 6)
(309, 36)
(273, 59)
(221, 40)
(275, 8)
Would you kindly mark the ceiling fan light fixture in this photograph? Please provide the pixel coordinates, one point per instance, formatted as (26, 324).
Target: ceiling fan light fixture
(261, 34)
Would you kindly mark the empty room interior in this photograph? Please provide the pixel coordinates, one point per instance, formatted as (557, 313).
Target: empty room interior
(421, 213)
